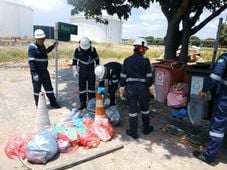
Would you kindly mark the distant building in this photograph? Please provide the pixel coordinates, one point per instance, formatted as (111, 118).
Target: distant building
(15, 20)
(97, 31)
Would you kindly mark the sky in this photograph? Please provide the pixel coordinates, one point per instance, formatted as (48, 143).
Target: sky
(141, 23)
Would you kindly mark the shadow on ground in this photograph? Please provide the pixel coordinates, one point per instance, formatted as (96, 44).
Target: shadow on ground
(160, 117)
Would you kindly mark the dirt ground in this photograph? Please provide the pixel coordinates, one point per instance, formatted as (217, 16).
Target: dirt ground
(157, 150)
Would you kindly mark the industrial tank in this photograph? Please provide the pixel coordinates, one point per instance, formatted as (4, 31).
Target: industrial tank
(97, 31)
(15, 20)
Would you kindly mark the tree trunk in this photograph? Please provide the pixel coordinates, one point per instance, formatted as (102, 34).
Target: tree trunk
(183, 57)
(172, 40)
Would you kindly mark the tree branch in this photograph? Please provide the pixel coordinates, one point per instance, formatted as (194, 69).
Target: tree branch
(196, 16)
(183, 8)
(208, 19)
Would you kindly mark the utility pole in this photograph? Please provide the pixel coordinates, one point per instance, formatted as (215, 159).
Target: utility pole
(216, 43)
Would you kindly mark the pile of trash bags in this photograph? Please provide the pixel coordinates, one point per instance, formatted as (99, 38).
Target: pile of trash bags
(78, 129)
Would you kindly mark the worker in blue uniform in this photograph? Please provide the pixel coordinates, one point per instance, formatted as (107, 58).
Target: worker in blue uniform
(218, 125)
(110, 71)
(38, 62)
(136, 81)
(84, 61)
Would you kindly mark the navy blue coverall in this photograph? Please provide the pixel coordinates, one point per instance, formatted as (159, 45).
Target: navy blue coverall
(218, 126)
(113, 75)
(86, 59)
(38, 62)
(136, 76)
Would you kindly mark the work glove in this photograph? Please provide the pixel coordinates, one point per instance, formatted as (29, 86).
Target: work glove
(122, 93)
(101, 90)
(75, 72)
(35, 77)
(107, 101)
(151, 90)
(201, 94)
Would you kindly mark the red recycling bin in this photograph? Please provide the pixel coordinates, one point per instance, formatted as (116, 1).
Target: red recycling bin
(167, 72)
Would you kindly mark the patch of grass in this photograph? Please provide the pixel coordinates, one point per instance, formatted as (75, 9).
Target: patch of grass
(105, 51)
(12, 54)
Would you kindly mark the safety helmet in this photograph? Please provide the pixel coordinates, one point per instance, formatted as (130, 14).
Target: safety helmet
(85, 43)
(39, 34)
(100, 71)
(140, 42)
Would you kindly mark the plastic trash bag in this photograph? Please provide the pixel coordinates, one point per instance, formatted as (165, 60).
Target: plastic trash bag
(80, 114)
(65, 144)
(42, 148)
(16, 147)
(180, 113)
(91, 105)
(196, 109)
(90, 140)
(103, 129)
(113, 115)
(177, 95)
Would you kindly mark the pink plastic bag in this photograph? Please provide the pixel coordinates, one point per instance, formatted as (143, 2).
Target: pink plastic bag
(103, 129)
(65, 144)
(177, 96)
(16, 147)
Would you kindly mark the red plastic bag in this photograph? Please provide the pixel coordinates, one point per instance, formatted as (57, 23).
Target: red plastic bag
(90, 140)
(65, 144)
(103, 129)
(16, 147)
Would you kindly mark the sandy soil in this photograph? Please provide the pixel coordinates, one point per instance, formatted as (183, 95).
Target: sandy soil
(154, 151)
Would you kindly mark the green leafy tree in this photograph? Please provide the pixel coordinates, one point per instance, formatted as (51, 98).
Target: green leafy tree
(223, 35)
(194, 40)
(150, 40)
(182, 17)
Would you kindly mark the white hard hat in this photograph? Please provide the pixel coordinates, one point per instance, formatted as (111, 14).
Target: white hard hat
(85, 43)
(39, 34)
(141, 41)
(100, 71)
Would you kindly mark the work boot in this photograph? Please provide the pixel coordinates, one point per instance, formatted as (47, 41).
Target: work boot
(55, 105)
(201, 156)
(133, 124)
(146, 124)
(82, 106)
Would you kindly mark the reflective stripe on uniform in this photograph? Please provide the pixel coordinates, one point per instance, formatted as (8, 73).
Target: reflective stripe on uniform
(37, 59)
(32, 44)
(135, 79)
(31, 59)
(132, 114)
(224, 82)
(215, 76)
(49, 92)
(149, 75)
(91, 91)
(115, 81)
(81, 92)
(41, 60)
(145, 112)
(36, 94)
(215, 134)
(86, 63)
(123, 75)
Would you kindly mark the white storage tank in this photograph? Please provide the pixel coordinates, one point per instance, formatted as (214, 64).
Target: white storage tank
(97, 31)
(15, 20)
